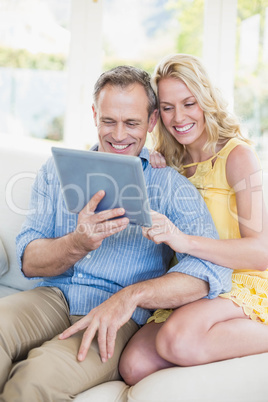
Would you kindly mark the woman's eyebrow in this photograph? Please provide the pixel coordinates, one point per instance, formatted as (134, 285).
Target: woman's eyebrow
(183, 100)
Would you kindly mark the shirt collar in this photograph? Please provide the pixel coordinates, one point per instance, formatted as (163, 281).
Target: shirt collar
(144, 155)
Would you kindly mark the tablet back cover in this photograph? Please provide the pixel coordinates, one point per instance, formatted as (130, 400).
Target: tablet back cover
(83, 173)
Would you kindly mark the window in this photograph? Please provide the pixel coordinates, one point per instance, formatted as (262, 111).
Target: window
(150, 31)
(251, 73)
(153, 29)
(51, 53)
(34, 45)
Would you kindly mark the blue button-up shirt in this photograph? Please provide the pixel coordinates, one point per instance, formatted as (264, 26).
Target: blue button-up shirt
(126, 257)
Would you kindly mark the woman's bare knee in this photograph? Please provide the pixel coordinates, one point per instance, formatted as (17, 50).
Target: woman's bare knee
(140, 358)
(131, 366)
(179, 346)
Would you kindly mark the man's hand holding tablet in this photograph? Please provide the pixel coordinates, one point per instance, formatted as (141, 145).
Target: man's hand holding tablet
(92, 228)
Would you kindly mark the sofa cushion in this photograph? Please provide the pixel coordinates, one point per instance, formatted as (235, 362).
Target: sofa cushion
(114, 391)
(3, 259)
(242, 379)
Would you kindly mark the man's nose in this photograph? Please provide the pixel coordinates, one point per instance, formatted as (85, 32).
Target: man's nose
(119, 133)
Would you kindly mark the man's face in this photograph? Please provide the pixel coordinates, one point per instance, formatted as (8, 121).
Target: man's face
(121, 118)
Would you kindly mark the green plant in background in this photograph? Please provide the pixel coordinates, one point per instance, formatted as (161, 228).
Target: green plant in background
(189, 36)
(22, 58)
(190, 24)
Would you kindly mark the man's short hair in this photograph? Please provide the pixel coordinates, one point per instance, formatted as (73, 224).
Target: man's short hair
(123, 76)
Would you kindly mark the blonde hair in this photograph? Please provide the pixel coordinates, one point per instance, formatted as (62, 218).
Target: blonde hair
(220, 123)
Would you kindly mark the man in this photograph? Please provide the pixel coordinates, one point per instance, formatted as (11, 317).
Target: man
(100, 275)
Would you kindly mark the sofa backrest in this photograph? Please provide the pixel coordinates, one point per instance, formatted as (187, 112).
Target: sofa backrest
(17, 171)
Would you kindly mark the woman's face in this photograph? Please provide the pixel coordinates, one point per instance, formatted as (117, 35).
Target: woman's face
(180, 112)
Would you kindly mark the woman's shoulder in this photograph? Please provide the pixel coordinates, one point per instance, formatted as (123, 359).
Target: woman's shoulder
(242, 161)
(240, 151)
(231, 144)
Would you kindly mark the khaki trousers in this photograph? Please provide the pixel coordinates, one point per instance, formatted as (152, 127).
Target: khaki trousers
(47, 368)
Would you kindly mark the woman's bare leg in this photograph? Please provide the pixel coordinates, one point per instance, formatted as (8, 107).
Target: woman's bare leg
(140, 358)
(210, 330)
(197, 333)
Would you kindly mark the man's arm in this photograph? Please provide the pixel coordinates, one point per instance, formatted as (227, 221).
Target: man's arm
(51, 257)
(169, 291)
(189, 280)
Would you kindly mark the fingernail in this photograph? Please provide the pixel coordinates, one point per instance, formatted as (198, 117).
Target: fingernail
(103, 360)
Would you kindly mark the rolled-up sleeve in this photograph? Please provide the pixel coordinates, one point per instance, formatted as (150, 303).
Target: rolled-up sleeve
(39, 221)
(218, 277)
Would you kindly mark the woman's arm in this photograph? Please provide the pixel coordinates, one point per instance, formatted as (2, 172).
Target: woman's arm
(250, 252)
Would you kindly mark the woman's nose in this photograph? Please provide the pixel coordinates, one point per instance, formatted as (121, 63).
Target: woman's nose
(179, 115)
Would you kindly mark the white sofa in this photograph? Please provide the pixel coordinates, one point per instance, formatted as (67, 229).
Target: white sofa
(237, 380)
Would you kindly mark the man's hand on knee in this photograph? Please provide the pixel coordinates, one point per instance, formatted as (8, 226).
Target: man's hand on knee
(106, 320)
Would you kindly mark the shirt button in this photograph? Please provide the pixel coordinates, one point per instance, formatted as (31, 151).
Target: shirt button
(88, 256)
(80, 275)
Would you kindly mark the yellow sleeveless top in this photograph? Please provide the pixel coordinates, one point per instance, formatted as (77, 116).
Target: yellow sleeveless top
(249, 288)
(211, 182)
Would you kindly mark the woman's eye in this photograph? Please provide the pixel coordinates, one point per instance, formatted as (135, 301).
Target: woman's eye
(190, 104)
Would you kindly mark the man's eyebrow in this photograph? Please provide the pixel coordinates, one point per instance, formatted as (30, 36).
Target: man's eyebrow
(102, 118)
(132, 120)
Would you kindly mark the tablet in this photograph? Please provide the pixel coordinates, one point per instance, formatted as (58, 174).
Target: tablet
(83, 173)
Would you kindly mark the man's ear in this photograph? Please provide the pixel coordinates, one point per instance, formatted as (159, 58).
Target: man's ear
(94, 114)
(153, 120)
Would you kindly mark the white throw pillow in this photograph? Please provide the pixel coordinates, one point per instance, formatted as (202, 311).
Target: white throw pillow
(3, 260)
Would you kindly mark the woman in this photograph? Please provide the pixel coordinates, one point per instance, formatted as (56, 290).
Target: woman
(199, 137)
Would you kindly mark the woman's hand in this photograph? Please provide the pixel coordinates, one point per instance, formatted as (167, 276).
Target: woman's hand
(157, 160)
(164, 231)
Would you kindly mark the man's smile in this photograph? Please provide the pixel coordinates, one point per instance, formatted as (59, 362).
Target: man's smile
(119, 147)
